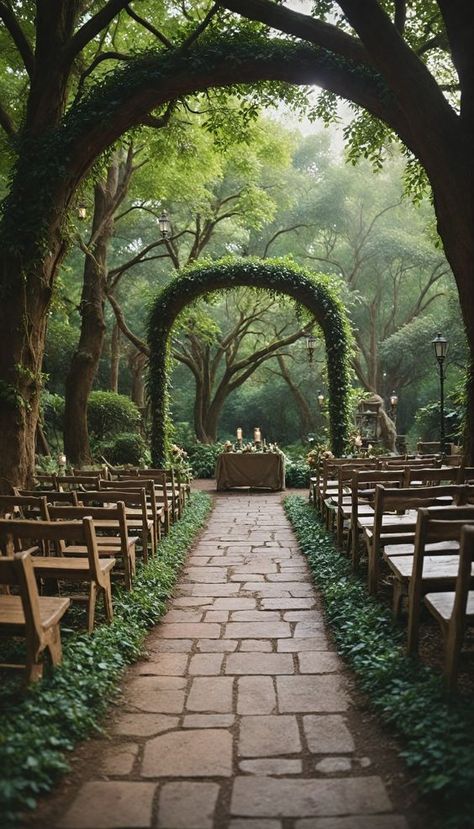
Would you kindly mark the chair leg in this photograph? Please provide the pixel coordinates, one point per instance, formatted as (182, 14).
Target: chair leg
(373, 582)
(33, 667)
(397, 599)
(54, 645)
(91, 606)
(109, 609)
(145, 541)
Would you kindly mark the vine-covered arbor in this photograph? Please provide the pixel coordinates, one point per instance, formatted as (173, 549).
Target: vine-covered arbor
(316, 292)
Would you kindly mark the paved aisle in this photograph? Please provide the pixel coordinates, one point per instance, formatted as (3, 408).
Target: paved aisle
(238, 719)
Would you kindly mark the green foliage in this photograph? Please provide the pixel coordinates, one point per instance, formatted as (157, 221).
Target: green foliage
(314, 292)
(109, 413)
(125, 447)
(42, 724)
(297, 473)
(203, 458)
(437, 733)
(52, 410)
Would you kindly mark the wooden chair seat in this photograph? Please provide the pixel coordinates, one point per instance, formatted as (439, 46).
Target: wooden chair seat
(437, 568)
(442, 605)
(12, 615)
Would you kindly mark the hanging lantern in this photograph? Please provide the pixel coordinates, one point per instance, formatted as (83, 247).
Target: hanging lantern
(164, 224)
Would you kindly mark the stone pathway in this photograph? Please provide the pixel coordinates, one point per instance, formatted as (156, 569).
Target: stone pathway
(240, 717)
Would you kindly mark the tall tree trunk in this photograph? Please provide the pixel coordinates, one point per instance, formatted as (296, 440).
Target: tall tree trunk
(23, 316)
(114, 357)
(87, 355)
(137, 361)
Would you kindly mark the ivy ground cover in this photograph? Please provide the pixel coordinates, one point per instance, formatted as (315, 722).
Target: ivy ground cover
(41, 726)
(436, 732)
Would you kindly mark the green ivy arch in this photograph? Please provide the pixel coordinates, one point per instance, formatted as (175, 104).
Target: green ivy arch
(316, 292)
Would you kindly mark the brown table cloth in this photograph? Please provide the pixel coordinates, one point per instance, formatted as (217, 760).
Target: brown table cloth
(259, 470)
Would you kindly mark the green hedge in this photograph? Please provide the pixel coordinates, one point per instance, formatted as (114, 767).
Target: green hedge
(52, 715)
(109, 413)
(437, 732)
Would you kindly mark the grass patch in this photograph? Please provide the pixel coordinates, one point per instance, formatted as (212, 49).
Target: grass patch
(437, 732)
(49, 718)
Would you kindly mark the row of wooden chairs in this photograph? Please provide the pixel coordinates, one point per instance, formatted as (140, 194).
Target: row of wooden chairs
(78, 528)
(412, 518)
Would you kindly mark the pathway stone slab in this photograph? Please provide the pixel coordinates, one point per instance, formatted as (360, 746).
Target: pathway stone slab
(193, 753)
(328, 734)
(266, 797)
(187, 805)
(208, 720)
(258, 663)
(206, 664)
(111, 805)
(185, 631)
(311, 693)
(255, 695)
(164, 664)
(256, 630)
(160, 695)
(212, 694)
(144, 725)
(268, 736)
(319, 662)
(260, 645)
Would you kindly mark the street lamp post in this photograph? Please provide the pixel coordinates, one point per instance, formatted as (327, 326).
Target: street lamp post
(440, 345)
(164, 224)
(310, 346)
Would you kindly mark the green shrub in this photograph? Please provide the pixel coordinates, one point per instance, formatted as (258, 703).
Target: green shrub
(127, 447)
(109, 413)
(203, 459)
(40, 725)
(52, 409)
(297, 473)
(437, 731)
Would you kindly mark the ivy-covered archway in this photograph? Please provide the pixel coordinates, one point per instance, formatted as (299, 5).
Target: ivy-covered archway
(316, 292)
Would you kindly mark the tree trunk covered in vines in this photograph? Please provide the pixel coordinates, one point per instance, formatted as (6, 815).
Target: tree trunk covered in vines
(91, 340)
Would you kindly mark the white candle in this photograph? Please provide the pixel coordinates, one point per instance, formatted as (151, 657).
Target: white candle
(257, 436)
(239, 433)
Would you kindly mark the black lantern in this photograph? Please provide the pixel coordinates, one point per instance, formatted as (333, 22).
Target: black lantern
(310, 346)
(393, 405)
(440, 345)
(164, 224)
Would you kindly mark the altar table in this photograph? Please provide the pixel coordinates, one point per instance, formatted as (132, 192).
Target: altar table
(257, 470)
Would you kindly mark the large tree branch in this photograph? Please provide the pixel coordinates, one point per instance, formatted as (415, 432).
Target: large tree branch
(149, 27)
(302, 26)
(92, 27)
(149, 82)
(19, 38)
(140, 344)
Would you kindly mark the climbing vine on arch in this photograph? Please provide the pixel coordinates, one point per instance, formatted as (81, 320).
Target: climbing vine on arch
(315, 292)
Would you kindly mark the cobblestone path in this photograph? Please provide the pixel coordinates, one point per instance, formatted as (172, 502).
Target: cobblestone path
(239, 719)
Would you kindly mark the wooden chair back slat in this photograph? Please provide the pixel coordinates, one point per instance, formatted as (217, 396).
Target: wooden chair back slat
(19, 571)
(52, 496)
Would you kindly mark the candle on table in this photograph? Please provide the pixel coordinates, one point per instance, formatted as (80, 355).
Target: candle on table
(257, 436)
(239, 433)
